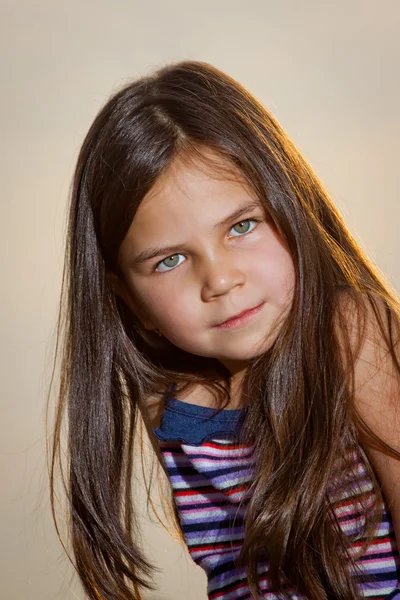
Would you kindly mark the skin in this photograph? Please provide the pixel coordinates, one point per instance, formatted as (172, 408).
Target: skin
(377, 392)
(224, 270)
(221, 269)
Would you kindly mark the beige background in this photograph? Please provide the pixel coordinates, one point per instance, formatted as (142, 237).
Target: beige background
(329, 71)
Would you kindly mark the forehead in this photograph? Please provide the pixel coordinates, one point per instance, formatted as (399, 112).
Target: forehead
(194, 191)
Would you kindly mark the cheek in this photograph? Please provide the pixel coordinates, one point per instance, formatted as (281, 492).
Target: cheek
(275, 272)
(176, 316)
(168, 307)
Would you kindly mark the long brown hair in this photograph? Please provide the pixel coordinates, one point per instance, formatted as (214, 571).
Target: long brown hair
(301, 416)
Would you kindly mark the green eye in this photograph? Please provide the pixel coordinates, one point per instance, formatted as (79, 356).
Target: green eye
(244, 226)
(169, 263)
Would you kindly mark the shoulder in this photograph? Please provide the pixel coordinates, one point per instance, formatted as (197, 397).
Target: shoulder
(374, 340)
(372, 328)
(365, 316)
(371, 349)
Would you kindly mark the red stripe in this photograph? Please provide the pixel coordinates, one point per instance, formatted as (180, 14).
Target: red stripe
(353, 500)
(225, 446)
(375, 542)
(216, 546)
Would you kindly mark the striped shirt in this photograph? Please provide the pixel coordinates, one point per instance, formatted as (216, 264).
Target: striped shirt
(210, 472)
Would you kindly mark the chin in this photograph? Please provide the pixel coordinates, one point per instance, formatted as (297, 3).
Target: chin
(242, 356)
(237, 352)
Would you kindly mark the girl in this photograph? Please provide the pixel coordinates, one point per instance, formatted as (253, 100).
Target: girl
(213, 291)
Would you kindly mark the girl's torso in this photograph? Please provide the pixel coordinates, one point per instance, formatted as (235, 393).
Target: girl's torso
(209, 473)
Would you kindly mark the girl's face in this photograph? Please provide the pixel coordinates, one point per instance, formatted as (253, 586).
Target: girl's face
(198, 253)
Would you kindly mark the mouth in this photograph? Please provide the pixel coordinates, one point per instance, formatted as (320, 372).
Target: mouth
(240, 318)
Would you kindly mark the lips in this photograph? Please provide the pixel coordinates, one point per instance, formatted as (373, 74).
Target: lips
(244, 313)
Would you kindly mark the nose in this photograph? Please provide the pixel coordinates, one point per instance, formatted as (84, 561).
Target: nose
(220, 277)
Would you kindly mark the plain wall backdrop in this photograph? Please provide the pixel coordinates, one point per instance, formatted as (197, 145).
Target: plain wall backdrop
(328, 71)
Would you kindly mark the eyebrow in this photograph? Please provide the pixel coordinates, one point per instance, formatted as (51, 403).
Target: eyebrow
(150, 253)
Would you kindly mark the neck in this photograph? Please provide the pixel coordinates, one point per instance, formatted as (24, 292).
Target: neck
(238, 373)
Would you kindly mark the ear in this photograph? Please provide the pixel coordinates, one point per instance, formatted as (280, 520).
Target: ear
(121, 290)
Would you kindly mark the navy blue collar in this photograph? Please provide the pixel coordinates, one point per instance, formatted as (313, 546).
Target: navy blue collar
(193, 424)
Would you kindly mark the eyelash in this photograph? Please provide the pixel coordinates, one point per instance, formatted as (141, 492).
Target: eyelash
(254, 219)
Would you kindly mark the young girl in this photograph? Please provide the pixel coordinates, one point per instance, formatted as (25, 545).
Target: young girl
(213, 291)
